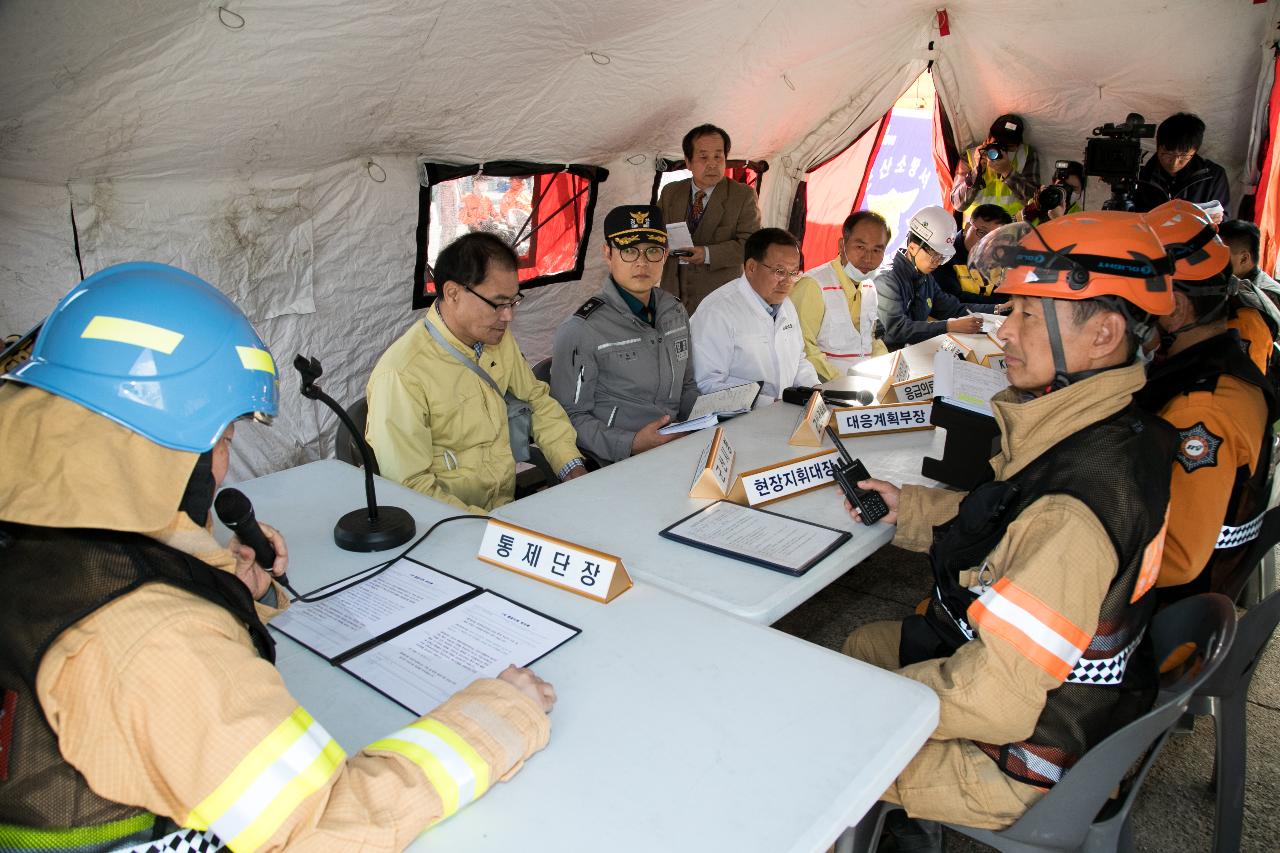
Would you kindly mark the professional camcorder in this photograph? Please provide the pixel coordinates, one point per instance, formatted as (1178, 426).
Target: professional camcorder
(1114, 154)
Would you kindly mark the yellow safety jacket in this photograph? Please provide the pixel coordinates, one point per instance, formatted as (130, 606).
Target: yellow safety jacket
(160, 700)
(440, 429)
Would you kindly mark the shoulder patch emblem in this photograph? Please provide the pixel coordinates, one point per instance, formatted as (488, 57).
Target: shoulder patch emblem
(1197, 448)
(588, 307)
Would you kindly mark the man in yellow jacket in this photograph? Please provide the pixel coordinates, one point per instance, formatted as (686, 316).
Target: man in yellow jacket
(139, 705)
(439, 396)
(837, 301)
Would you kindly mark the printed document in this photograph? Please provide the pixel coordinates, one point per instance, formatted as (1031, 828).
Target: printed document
(765, 538)
(727, 401)
(968, 385)
(479, 638)
(369, 609)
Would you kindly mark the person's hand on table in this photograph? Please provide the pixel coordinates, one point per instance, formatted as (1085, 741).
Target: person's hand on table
(522, 679)
(648, 437)
(575, 472)
(247, 568)
(968, 324)
(888, 491)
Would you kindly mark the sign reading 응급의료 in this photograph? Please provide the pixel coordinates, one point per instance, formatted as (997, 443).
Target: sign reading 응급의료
(784, 479)
(584, 571)
(869, 420)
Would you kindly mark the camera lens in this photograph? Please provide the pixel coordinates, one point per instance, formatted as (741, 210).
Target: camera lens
(994, 153)
(1050, 197)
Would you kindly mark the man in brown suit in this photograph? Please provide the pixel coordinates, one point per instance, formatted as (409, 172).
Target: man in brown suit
(721, 213)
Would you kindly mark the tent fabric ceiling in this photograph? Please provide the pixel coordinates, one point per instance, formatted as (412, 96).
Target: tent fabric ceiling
(161, 127)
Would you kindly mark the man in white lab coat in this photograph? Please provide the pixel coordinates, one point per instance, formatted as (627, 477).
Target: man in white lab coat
(748, 330)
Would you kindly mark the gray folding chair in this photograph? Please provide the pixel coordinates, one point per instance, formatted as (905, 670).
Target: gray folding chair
(345, 447)
(1223, 695)
(1078, 813)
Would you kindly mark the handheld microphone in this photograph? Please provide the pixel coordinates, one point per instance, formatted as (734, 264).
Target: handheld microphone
(862, 398)
(235, 511)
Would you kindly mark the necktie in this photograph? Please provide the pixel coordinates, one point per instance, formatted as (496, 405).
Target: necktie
(695, 215)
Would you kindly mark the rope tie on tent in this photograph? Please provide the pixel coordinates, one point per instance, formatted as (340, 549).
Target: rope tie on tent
(370, 167)
(787, 80)
(228, 18)
(636, 159)
(598, 58)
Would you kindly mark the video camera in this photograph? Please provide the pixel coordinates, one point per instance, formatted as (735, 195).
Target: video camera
(1114, 155)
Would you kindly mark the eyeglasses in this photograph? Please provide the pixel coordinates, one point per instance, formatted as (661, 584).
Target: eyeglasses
(652, 254)
(511, 304)
(783, 274)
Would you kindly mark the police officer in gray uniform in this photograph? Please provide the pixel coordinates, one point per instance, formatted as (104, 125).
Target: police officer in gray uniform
(621, 365)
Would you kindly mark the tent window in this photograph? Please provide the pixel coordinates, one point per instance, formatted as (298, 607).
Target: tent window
(749, 172)
(542, 211)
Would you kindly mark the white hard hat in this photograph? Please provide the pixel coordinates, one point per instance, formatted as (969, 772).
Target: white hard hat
(936, 229)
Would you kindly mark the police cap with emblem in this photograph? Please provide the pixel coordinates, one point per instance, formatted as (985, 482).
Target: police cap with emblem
(635, 223)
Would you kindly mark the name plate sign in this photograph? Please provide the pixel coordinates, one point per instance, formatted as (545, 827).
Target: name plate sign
(869, 420)
(810, 429)
(714, 471)
(580, 570)
(914, 390)
(784, 479)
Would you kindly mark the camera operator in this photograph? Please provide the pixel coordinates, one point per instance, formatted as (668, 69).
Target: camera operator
(1062, 195)
(1002, 170)
(1178, 170)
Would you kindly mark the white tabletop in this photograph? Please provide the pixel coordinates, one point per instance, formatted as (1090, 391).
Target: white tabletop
(621, 508)
(678, 728)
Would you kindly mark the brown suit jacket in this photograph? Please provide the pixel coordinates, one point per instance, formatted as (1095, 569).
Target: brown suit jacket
(732, 215)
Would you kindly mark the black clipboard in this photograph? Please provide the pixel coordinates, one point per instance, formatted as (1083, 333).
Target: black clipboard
(842, 537)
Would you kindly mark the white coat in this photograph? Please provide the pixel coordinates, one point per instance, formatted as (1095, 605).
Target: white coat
(735, 340)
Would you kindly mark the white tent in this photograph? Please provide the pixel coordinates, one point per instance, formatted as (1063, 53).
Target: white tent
(271, 146)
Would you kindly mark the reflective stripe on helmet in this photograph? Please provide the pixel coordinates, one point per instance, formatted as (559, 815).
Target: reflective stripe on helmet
(126, 331)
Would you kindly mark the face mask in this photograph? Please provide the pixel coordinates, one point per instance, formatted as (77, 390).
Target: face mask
(855, 273)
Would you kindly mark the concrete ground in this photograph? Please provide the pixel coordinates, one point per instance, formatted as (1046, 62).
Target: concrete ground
(1174, 811)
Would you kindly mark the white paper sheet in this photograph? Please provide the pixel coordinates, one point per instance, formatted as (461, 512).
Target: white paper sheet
(756, 535)
(727, 401)
(678, 236)
(966, 384)
(991, 322)
(477, 639)
(405, 591)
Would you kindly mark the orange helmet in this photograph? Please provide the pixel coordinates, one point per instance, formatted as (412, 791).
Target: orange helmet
(1190, 240)
(1087, 255)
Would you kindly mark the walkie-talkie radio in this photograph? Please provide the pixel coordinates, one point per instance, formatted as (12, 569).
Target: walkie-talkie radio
(848, 472)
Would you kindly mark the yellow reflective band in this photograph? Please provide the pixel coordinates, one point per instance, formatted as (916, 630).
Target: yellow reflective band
(124, 331)
(429, 765)
(451, 765)
(479, 767)
(256, 359)
(306, 783)
(259, 759)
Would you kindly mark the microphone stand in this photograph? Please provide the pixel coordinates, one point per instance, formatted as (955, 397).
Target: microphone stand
(373, 528)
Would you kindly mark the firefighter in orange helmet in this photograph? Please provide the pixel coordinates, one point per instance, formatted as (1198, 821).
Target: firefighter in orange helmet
(1036, 658)
(1208, 389)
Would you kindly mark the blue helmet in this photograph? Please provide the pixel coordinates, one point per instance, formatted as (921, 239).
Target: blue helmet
(157, 350)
